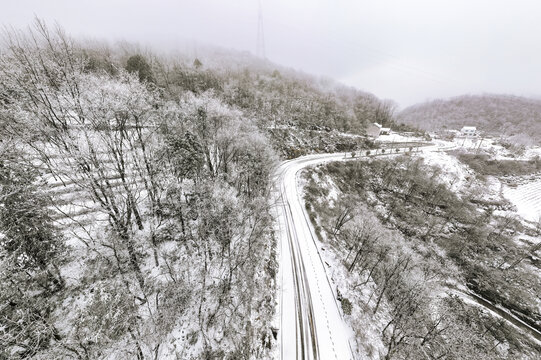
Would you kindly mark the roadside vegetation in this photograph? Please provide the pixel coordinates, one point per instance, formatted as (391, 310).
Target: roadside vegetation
(484, 164)
(412, 251)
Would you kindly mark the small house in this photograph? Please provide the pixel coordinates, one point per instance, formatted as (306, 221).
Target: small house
(385, 131)
(469, 131)
(373, 130)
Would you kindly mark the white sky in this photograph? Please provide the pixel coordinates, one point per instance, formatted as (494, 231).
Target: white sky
(406, 50)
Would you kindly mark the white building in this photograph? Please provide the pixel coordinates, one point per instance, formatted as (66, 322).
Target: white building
(468, 131)
(385, 131)
(373, 130)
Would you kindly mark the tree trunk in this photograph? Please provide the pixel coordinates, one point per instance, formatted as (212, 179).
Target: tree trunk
(134, 262)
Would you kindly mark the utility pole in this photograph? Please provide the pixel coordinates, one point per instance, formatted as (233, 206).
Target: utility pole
(392, 139)
(479, 147)
(260, 45)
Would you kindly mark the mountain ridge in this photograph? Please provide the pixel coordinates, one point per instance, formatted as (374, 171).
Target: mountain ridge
(514, 117)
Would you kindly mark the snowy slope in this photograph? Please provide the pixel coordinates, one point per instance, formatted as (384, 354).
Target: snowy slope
(527, 199)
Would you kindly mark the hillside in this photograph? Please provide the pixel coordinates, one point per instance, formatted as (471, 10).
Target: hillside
(515, 117)
(134, 193)
(421, 251)
(297, 111)
(274, 96)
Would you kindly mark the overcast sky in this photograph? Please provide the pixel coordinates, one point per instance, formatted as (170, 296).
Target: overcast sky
(405, 50)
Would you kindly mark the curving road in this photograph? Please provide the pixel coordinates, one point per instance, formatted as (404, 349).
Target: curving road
(310, 319)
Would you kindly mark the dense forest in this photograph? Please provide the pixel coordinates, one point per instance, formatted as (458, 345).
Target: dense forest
(516, 118)
(134, 188)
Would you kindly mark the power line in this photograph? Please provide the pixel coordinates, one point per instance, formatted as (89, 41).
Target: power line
(260, 45)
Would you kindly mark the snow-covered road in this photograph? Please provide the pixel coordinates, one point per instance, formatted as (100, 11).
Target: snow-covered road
(311, 324)
(310, 319)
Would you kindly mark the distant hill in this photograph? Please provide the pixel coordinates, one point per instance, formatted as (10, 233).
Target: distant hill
(515, 117)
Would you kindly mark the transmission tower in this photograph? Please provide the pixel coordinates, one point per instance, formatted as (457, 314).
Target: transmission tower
(260, 47)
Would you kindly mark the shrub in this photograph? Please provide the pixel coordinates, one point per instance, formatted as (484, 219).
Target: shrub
(109, 314)
(484, 165)
(346, 306)
(137, 64)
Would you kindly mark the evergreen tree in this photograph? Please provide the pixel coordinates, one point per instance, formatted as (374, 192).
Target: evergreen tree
(137, 64)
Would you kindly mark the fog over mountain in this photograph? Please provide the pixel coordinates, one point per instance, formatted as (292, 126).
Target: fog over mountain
(407, 51)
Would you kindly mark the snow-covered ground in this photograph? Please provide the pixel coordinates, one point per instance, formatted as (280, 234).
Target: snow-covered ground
(532, 152)
(526, 196)
(476, 143)
(395, 137)
(455, 174)
(527, 199)
(494, 148)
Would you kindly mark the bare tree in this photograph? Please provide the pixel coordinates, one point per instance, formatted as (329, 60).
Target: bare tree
(384, 112)
(96, 131)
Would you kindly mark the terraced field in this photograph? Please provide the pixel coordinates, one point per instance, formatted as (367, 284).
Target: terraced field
(73, 209)
(527, 198)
